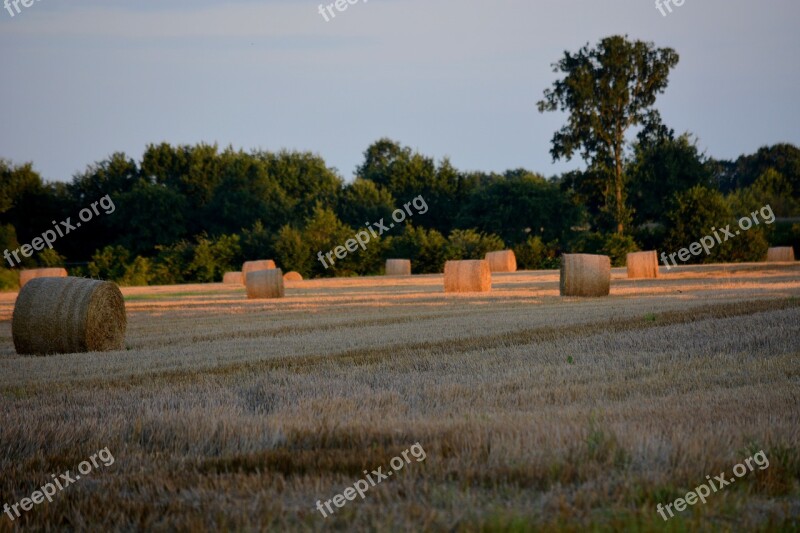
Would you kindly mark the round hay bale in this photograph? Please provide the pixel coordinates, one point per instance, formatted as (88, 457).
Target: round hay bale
(254, 266)
(398, 267)
(265, 284)
(26, 275)
(68, 315)
(467, 276)
(585, 275)
(780, 254)
(292, 276)
(503, 261)
(233, 278)
(642, 264)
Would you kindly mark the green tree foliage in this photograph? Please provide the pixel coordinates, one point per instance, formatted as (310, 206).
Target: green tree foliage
(293, 251)
(518, 205)
(204, 260)
(147, 216)
(617, 247)
(427, 249)
(49, 258)
(661, 168)
(586, 190)
(305, 179)
(534, 254)
(27, 203)
(190, 213)
(323, 232)
(114, 177)
(364, 201)
(775, 189)
(257, 242)
(247, 192)
(698, 212)
(406, 174)
(607, 90)
(8, 241)
(614, 245)
(9, 279)
(213, 257)
(192, 171)
(470, 244)
(782, 158)
(172, 263)
(110, 263)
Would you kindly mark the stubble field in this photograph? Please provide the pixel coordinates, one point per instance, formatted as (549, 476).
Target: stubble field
(534, 411)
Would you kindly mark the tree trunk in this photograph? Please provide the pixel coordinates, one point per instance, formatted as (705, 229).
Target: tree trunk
(618, 186)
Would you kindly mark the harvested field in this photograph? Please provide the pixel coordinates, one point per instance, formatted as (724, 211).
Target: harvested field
(535, 411)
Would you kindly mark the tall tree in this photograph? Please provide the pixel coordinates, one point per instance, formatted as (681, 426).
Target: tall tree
(607, 90)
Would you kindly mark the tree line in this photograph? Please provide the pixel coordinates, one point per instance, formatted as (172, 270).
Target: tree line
(190, 213)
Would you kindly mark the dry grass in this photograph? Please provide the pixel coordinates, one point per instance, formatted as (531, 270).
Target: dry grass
(536, 412)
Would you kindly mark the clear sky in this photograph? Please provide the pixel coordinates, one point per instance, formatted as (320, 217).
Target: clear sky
(82, 79)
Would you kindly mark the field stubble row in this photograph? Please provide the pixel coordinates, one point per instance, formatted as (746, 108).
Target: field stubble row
(532, 408)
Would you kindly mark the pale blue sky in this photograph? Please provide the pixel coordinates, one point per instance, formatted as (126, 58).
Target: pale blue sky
(83, 79)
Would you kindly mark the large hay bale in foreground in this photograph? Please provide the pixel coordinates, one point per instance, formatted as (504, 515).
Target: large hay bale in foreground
(398, 267)
(585, 275)
(254, 266)
(26, 275)
(67, 315)
(780, 254)
(467, 276)
(503, 261)
(265, 284)
(233, 278)
(642, 264)
(293, 276)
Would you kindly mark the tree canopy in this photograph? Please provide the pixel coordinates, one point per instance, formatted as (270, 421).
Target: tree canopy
(606, 90)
